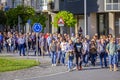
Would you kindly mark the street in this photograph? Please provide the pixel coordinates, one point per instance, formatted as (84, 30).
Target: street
(46, 72)
(87, 74)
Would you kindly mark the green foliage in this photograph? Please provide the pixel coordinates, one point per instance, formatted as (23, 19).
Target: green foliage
(68, 18)
(39, 18)
(10, 64)
(12, 17)
(3, 17)
(25, 12)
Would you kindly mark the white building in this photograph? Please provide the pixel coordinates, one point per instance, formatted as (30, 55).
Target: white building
(2, 4)
(39, 5)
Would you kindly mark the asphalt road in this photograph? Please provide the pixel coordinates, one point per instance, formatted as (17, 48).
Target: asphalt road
(86, 74)
(46, 72)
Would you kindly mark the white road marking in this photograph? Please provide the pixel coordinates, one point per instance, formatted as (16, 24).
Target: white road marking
(42, 76)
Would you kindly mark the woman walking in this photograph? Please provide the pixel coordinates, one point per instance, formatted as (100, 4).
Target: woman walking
(85, 52)
(53, 50)
(70, 55)
(102, 52)
(78, 53)
(93, 51)
(112, 54)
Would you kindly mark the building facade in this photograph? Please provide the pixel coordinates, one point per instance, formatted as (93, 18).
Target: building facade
(40, 6)
(103, 16)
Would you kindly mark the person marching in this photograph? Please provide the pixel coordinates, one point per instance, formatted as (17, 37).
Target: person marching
(70, 54)
(85, 52)
(21, 42)
(58, 51)
(102, 52)
(93, 51)
(112, 54)
(78, 51)
(53, 51)
(63, 46)
(118, 51)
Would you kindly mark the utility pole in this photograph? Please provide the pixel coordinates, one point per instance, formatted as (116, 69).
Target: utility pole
(13, 3)
(85, 15)
(23, 2)
(19, 21)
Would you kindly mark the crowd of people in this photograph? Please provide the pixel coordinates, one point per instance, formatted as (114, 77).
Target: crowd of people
(65, 49)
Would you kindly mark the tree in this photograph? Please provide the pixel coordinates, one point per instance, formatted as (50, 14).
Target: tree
(68, 18)
(39, 18)
(3, 17)
(12, 17)
(24, 12)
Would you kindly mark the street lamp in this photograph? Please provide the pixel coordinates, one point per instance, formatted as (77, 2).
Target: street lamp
(85, 15)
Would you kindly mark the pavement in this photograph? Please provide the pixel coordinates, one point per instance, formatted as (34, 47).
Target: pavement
(46, 72)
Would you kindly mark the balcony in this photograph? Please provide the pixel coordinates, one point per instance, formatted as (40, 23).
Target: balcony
(50, 6)
(54, 6)
(112, 7)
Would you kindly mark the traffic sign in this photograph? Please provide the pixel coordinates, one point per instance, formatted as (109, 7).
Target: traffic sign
(61, 22)
(37, 27)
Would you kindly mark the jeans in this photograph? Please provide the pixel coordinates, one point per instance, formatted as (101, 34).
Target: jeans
(118, 56)
(53, 57)
(7, 47)
(59, 56)
(70, 62)
(12, 48)
(63, 57)
(29, 45)
(93, 58)
(103, 55)
(85, 58)
(21, 49)
(113, 59)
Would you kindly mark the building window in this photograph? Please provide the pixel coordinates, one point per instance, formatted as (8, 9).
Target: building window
(72, 0)
(108, 1)
(102, 23)
(115, 1)
(112, 5)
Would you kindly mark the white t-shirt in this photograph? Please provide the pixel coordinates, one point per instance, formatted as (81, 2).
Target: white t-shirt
(63, 46)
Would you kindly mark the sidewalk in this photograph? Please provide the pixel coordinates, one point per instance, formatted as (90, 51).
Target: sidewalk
(43, 69)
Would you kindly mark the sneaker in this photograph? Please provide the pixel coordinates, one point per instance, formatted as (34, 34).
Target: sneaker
(69, 70)
(52, 65)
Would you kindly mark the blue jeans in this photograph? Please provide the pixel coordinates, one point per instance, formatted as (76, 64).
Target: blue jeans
(118, 56)
(53, 57)
(63, 57)
(85, 58)
(70, 62)
(113, 59)
(21, 49)
(93, 58)
(59, 56)
(103, 55)
(12, 48)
